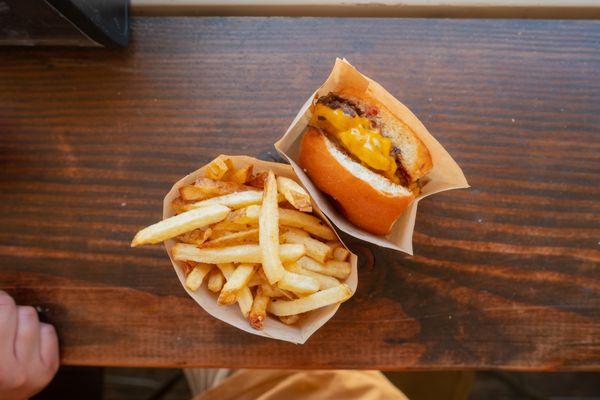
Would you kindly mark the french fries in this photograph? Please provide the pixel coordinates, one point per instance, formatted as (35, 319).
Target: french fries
(325, 282)
(314, 248)
(215, 281)
(244, 296)
(217, 169)
(243, 253)
(250, 238)
(288, 218)
(235, 282)
(300, 284)
(311, 302)
(182, 223)
(242, 237)
(197, 236)
(258, 312)
(294, 194)
(194, 279)
(268, 225)
(233, 200)
(340, 254)
(337, 269)
(239, 176)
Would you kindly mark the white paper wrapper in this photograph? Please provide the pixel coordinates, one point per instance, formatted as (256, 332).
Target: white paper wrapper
(231, 314)
(445, 174)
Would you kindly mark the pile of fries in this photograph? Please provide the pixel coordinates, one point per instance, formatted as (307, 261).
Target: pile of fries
(253, 239)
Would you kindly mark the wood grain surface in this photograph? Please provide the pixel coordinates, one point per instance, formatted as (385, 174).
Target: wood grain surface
(506, 274)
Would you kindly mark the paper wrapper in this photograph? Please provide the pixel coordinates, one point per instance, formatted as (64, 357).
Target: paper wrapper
(445, 174)
(231, 314)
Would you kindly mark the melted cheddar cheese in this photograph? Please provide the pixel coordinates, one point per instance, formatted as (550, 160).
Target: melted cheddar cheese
(358, 138)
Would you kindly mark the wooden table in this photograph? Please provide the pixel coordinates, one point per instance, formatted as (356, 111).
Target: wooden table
(506, 274)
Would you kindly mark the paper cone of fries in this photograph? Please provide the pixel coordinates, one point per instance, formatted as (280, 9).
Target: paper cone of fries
(231, 314)
(445, 174)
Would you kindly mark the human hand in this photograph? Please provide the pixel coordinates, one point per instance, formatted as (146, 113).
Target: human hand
(28, 351)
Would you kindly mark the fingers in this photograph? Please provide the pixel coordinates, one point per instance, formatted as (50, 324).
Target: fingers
(27, 340)
(49, 348)
(8, 324)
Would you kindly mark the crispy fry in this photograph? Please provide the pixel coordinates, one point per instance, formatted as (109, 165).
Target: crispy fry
(325, 282)
(340, 254)
(289, 319)
(178, 206)
(309, 223)
(239, 176)
(235, 282)
(314, 248)
(197, 236)
(180, 224)
(211, 188)
(242, 237)
(268, 223)
(247, 215)
(217, 168)
(225, 227)
(245, 253)
(275, 292)
(194, 279)
(288, 218)
(215, 281)
(191, 193)
(338, 269)
(297, 283)
(258, 313)
(258, 180)
(234, 200)
(294, 194)
(313, 301)
(244, 296)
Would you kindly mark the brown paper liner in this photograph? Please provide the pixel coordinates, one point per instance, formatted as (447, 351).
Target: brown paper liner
(445, 174)
(231, 314)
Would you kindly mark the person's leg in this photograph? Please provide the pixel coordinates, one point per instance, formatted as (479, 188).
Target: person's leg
(202, 379)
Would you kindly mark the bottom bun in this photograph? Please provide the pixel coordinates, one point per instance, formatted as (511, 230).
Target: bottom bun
(367, 199)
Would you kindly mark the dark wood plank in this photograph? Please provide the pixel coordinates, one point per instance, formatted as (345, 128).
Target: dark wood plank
(506, 274)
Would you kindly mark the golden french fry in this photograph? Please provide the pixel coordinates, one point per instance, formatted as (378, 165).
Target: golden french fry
(258, 312)
(218, 229)
(289, 319)
(239, 176)
(191, 193)
(217, 168)
(244, 296)
(258, 180)
(244, 253)
(178, 206)
(313, 301)
(211, 188)
(197, 236)
(179, 224)
(235, 282)
(232, 200)
(325, 282)
(297, 283)
(215, 281)
(268, 224)
(288, 218)
(294, 194)
(309, 223)
(274, 291)
(194, 279)
(338, 269)
(314, 248)
(340, 254)
(242, 237)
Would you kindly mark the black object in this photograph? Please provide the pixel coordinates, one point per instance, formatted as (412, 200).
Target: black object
(64, 22)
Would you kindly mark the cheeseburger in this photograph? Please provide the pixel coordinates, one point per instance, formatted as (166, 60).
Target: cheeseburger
(369, 161)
